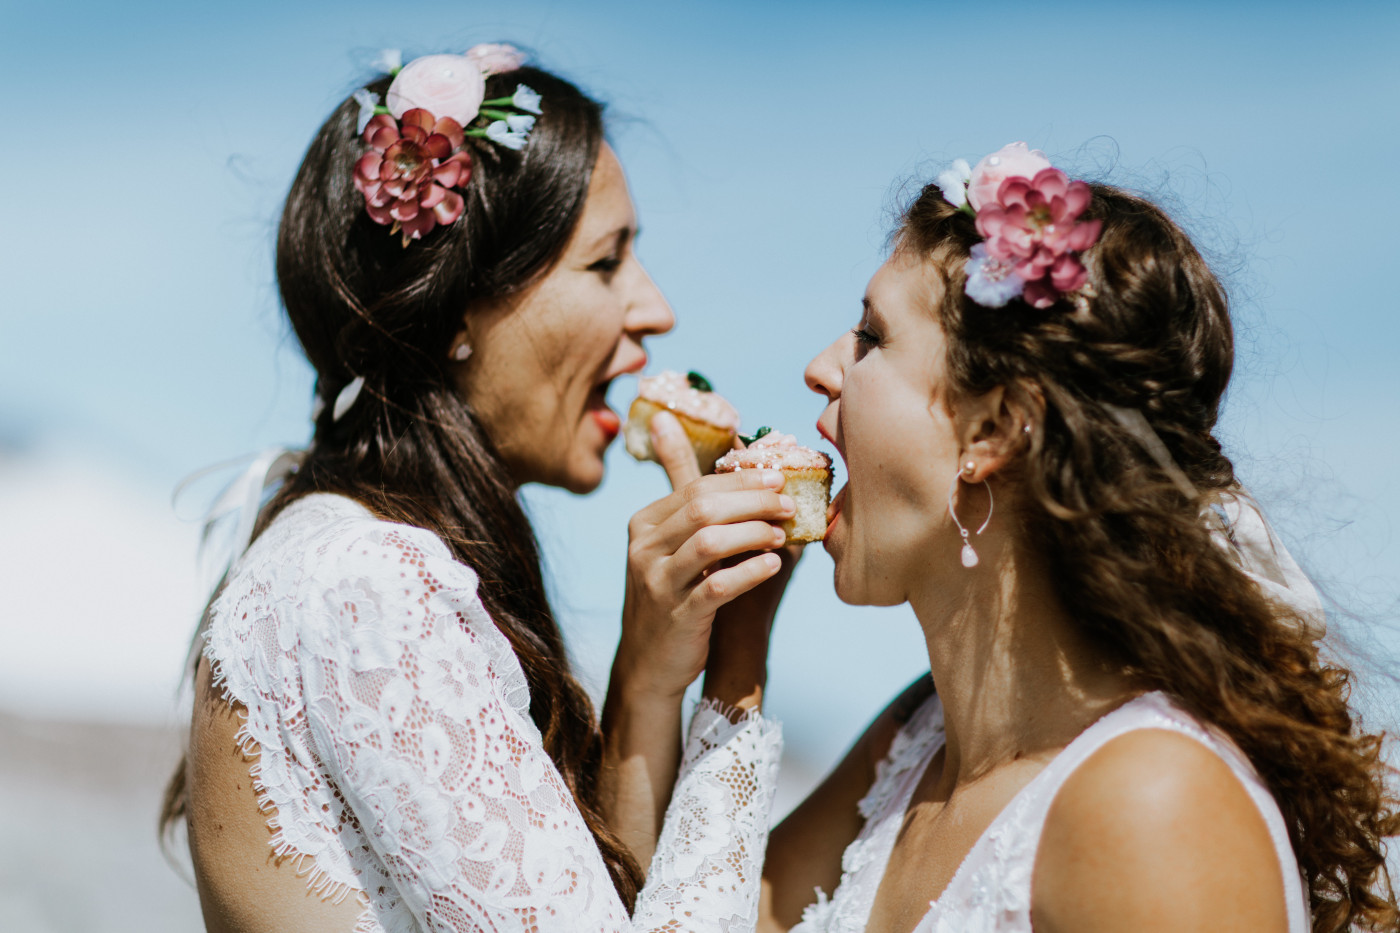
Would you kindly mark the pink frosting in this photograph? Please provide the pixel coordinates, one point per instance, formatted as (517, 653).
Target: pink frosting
(671, 390)
(774, 452)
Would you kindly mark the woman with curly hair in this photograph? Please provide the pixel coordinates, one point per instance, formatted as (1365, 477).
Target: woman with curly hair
(1128, 725)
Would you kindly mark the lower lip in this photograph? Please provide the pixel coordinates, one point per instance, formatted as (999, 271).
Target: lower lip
(834, 512)
(607, 421)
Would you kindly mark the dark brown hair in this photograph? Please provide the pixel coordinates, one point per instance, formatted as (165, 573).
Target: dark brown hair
(1132, 558)
(411, 448)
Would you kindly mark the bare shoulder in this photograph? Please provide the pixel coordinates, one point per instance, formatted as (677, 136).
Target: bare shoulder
(1155, 832)
(244, 886)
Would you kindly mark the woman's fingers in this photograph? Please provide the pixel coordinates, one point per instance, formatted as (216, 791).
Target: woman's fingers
(673, 449)
(728, 583)
(714, 484)
(714, 543)
(708, 508)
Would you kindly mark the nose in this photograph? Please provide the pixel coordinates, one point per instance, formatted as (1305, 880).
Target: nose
(648, 312)
(823, 375)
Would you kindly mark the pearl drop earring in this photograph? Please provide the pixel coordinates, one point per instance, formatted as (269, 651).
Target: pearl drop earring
(461, 352)
(969, 556)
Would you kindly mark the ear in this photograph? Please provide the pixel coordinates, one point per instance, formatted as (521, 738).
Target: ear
(994, 429)
(460, 349)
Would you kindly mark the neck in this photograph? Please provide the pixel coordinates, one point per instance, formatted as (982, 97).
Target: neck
(1015, 674)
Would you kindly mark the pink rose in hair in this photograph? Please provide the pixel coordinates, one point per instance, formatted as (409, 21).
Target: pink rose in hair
(449, 86)
(1010, 161)
(1034, 223)
(494, 58)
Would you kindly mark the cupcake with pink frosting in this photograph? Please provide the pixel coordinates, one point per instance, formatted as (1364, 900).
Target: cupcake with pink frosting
(710, 422)
(808, 474)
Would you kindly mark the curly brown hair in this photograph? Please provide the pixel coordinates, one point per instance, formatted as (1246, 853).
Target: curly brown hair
(1133, 559)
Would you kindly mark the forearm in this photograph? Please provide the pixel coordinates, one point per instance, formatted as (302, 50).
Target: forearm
(641, 756)
(736, 671)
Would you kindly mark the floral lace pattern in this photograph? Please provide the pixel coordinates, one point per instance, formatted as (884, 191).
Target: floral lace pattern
(395, 750)
(991, 890)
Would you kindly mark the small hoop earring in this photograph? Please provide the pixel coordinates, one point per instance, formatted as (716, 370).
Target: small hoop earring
(969, 556)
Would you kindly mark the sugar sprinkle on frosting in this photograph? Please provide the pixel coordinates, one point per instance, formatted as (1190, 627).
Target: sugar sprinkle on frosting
(775, 452)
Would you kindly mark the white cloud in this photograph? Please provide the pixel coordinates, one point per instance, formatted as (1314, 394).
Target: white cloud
(98, 599)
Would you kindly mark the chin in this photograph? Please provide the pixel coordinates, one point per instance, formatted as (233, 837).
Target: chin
(584, 477)
(856, 589)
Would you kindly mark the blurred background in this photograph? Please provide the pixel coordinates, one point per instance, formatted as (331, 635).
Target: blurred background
(149, 145)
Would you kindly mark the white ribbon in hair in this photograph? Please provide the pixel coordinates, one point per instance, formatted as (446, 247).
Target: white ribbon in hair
(228, 524)
(1246, 534)
(1241, 530)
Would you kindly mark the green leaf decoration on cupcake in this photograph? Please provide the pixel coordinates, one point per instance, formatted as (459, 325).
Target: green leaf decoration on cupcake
(748, 439)
(698, 382)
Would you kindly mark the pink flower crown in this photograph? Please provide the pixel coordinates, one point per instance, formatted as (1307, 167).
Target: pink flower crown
(416, 136)
(1028, 212)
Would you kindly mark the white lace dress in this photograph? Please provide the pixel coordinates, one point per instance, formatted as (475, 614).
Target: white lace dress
(395, 742)
(991, 890)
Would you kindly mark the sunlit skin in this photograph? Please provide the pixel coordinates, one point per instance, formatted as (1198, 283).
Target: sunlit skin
(542, 360)
(1153, 832)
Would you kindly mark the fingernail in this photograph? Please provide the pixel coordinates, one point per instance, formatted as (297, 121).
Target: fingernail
(786, 504)
(773, 561)
(779, 536)
(773, 478)
(664, 427)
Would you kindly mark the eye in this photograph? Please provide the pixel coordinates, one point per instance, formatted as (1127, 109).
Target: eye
(866, 340)
(606, 266)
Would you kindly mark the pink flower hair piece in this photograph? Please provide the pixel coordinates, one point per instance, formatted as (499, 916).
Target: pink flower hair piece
(408, 175)
(1028, 211)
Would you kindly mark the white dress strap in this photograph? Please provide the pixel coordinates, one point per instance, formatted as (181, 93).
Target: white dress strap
(991, 890)
(994, 881)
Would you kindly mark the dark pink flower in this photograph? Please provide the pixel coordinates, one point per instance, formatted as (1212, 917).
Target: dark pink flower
(1034, 223)
(408, 177)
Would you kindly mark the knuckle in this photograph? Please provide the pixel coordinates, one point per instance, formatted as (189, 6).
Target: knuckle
(716, 587)
(707, 543)
(700, 510)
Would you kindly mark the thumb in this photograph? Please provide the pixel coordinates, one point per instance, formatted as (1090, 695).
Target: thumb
(673, 449)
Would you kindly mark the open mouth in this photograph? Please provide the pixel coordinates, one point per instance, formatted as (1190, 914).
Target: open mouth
(604, 417)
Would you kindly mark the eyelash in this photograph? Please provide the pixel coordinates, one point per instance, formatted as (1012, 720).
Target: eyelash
(607, 265)
(864, 337)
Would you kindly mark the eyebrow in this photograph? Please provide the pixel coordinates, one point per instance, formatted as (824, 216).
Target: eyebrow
(870, 310)
(615, 238)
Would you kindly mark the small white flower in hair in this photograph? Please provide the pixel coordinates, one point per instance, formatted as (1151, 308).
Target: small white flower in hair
(520, 123)
(367, 100)
(500, 133)
(526, 99)
(953, 182)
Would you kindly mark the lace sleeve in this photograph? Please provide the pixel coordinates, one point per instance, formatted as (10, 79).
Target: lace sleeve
(417, 710)
(705, 874)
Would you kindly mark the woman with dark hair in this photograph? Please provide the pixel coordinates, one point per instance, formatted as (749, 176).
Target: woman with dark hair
(387, 734)
(1128, 725)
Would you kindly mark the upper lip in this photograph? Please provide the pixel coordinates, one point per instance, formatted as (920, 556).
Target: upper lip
(821, 429)
(635, 366)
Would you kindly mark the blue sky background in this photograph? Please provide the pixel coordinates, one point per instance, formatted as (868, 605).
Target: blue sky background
(148, 146)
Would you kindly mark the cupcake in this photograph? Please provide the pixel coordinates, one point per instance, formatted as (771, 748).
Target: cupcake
(808, 475)
(710, 422)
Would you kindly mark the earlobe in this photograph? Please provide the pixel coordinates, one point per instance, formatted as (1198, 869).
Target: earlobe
(995, 430)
